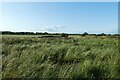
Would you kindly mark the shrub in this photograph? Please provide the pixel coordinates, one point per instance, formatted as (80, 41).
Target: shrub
(64, 35)
(84, 34)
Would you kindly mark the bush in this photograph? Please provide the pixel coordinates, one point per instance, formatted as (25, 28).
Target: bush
(64, 35)
(84, 34)
(102, 34)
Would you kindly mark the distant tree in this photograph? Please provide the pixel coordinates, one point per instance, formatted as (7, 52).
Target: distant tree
(57, 34)
(6, 32)
(109, 34)
(84, 34)
(64, 35)
(103, 34)
(116, 34)
(45, 33)
(39, 33)
(93, 34)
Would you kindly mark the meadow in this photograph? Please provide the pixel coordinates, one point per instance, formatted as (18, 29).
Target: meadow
(74, 57)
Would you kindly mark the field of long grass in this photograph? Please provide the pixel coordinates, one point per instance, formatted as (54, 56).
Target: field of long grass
(76, 57)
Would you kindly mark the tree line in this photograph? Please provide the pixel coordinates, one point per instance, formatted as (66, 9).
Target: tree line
(46, 33)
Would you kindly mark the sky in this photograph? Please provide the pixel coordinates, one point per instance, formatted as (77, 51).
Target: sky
(59, 0)
(59, 17)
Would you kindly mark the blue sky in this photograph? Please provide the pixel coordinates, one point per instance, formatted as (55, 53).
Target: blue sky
(67, 17)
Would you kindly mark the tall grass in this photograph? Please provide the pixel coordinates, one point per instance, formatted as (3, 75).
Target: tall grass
(25, 57)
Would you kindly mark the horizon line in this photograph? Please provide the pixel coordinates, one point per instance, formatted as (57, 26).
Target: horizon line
(57, 32)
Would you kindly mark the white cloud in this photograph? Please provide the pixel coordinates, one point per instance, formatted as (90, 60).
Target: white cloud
(53, 28)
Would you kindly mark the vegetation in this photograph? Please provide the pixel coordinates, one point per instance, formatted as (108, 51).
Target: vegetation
(77, 57)
(45, 33)
(84, 34)
(64, 35)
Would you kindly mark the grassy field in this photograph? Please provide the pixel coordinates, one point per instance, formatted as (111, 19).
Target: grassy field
(75, 57)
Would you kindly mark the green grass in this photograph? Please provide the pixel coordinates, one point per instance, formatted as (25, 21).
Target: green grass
(77, 57)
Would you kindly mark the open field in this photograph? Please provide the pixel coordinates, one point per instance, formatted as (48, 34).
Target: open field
(75, 57)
